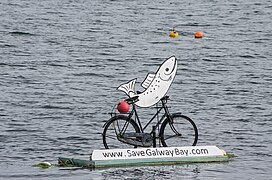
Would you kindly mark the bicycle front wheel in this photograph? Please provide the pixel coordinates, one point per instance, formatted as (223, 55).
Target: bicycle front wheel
(182, 132)
(114, 128)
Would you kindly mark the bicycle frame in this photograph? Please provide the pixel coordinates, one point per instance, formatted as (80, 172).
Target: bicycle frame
(159, 109)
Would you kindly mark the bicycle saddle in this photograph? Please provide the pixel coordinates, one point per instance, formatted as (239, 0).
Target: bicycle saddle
(132, 100)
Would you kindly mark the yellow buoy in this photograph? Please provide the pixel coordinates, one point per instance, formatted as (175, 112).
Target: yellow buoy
(173, 34)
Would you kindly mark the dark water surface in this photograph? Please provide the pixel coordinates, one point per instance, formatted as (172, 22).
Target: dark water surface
(60, 62)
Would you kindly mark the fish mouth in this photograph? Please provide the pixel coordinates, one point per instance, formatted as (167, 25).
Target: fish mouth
(168, 79)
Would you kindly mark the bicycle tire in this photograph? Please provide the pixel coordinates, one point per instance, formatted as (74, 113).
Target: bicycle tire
(113, 127)
(186, 131)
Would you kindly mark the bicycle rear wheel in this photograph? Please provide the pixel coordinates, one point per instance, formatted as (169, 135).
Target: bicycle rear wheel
(113, 129)
(182, 132)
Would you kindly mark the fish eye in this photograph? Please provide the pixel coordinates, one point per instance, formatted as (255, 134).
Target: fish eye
(167, 69)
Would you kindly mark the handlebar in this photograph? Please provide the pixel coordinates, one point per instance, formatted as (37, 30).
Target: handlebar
(165, 98)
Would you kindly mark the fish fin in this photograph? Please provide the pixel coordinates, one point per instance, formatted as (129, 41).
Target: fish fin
(128, 87)
(149, 78)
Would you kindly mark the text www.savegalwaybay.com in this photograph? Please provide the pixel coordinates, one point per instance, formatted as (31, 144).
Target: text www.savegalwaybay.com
(156, 153)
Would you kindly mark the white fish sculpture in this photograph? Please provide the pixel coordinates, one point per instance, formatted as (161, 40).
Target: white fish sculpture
(156, 85)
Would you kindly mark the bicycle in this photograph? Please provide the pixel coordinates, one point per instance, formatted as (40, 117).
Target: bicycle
(121, 131)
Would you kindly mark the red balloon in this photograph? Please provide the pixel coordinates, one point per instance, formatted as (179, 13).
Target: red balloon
(123, 107)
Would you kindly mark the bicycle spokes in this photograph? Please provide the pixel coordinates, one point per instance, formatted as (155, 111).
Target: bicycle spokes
(114, 130)
(181, 132)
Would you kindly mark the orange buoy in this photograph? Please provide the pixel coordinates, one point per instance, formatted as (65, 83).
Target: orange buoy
(173, 34)
(198, 34)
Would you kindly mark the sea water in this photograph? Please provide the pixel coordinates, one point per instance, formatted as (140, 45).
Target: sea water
(61, 61)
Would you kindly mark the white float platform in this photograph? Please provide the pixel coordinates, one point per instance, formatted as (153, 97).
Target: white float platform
(149, 156)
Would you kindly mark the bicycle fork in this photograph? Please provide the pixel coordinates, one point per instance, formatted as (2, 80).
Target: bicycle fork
(171, 121)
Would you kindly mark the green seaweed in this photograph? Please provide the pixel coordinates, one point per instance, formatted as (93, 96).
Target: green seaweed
(230, 155)
(43, 165)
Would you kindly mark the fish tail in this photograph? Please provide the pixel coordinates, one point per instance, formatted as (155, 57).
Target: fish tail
(128, 87)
